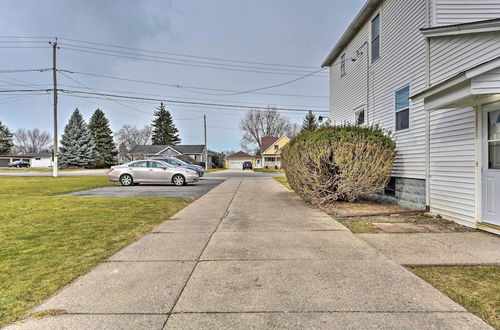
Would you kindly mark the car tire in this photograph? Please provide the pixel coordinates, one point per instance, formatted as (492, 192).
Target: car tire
(126, 180)
(179, 180)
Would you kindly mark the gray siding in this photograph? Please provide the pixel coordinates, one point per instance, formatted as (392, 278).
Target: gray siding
(452, 160)
(454, 54)
(487, 83)
(448, 12)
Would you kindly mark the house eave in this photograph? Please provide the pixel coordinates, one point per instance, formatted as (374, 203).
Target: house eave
(356, 25)
(492, 25)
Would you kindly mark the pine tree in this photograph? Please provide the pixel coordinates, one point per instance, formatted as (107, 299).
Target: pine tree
(164, 130)
(6, 143)
(104, 145)
(77, 143)
(310, 123)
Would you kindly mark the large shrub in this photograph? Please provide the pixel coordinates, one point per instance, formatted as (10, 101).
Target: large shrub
(338, 163)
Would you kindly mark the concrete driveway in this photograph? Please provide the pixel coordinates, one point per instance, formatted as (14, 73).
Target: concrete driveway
(251, 255)
(192, 190)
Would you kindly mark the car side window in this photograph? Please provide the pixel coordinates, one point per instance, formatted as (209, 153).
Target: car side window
(139, 164)
(155, 165)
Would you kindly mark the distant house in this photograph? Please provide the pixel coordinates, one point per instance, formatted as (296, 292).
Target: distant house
(195, 152)
(429, 71)
(236, 160)
(269, 155)
(37, 160)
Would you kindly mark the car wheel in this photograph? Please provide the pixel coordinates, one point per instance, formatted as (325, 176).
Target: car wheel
(126, 180)
(178, 180)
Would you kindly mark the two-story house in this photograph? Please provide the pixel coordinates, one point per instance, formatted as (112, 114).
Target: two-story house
(269, 154)
(429, 71)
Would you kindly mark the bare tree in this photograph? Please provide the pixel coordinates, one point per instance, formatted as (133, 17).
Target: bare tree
(260, 123)
(31, 140)
(129, 136)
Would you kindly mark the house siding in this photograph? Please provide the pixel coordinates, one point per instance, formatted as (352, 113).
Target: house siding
(448, 12)
(402, 63)
(487, 83)
(453, 54)
(452, 164)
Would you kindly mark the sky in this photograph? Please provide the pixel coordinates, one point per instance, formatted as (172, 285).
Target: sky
(197, 51)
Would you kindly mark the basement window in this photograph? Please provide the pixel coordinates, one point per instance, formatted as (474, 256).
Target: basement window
(390, 189)
(402, 108)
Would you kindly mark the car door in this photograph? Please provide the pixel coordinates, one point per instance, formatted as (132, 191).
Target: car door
(158, 172)
(139, 171)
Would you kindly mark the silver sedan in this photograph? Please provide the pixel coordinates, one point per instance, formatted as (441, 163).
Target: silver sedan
(151, 171)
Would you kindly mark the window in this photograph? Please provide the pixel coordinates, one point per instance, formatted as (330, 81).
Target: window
(269, 159)
(156, 165)
(359, 117)
(375, 38)
(139, 164)
(276, 147)
(403, 108)
(494, 140)
(342, 65)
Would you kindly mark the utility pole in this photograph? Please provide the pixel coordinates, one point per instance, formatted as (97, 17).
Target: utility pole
(206, 147)
(54, 76)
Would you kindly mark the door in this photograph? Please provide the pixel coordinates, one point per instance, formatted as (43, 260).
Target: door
(491, 164)
(158, 173)
(139, 171)
(237, 164)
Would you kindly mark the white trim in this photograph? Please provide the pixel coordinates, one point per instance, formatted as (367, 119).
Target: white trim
(460, 29)
(169, 147)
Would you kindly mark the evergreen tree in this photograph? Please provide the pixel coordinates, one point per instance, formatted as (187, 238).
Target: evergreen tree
(77, 143)
(104, 145)
(310, 123)
(6, 143)
(164, 130)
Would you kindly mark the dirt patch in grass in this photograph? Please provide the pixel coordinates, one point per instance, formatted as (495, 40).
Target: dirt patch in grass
(341, 209)
(477, 288)
(365, 225)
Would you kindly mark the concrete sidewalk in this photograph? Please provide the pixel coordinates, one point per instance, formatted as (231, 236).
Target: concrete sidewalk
(251, 255)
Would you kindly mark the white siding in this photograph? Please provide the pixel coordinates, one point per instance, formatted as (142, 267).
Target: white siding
(487, 83)
(41, 162)
(452, 164)
(454, 54)
(448, 12)
(402, 63)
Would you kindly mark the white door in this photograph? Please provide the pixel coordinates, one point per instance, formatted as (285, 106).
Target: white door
(491, 164)
(237, 164)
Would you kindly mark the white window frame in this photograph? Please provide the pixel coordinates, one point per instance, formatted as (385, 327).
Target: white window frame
(372, 38)
(396, 111)
(343, 70)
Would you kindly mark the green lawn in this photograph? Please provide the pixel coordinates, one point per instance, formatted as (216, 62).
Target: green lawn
(477, 288)
(36, 169)
(46, 241)
(267, 170)
(282, 179)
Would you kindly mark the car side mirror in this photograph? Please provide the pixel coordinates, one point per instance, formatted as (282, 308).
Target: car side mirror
(164, 167)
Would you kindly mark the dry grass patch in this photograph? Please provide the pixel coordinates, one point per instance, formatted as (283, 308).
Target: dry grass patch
(477, 288)
(282, 179)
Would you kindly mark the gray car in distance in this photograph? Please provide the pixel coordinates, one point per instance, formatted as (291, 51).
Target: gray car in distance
(180, 163)
(151, 171)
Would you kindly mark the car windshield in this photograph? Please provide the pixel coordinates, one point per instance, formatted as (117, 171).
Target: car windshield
(164, 163)
(181, 162)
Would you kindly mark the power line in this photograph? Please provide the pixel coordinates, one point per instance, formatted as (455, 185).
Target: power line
(186, 102)
(186, 87)
(24, 70)
(189, 56)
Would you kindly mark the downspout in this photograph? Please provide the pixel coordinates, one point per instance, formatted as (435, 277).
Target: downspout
(367, 82)
(427, 114)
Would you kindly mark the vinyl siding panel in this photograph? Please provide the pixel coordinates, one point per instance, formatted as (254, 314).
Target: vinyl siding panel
(402, 62)
(454, 54)
(448, 12)
(487, 83)
(452, 164)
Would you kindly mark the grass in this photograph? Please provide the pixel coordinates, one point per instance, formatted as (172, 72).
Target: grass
(36, 169)
(266, 170)
(216, 169)
(360, 227)
(282, 179)
(477, 288)
(46, 241)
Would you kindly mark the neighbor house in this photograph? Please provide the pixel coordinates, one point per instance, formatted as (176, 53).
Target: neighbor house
(269, 154)
(195, 152)
(237, 159)
(429, 71)
(36, 159)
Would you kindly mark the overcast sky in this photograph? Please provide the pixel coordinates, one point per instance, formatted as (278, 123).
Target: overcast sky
(292, 32)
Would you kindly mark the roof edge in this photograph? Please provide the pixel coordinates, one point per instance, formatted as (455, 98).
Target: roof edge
(490, 25)
(365, 12)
